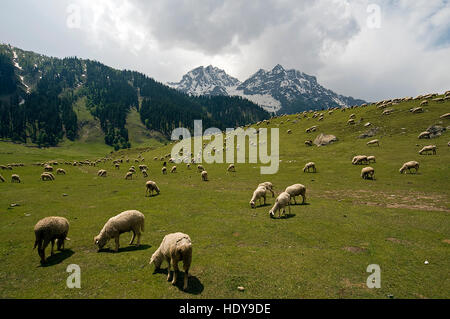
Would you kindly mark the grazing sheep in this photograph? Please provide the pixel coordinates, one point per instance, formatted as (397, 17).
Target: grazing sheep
(173, 169)
(408, 166)
(47, 230)
(129, 175)
(48, 168)
(188, 166)
(200, 168)
(102, 173)
(367, 172)
(311, 129)
(371, 159)
(373, 142)
(445, 116)
(132, 170)
(15, 178)
(296, 190)
(259, 193)
(352, 116)
(129, 220)
(174, 248)
(281, 202)
(427, 149)
(308, 166)
(47, 177)
(268, 186)
(359, 159)
(425, 102)
(289, 131)
(425, 134)
(144, 173)
(416, 110)
(142, 167)
(2, 179)
(164, 170)
(151, 186)
(308, 143)
(117, 166)
(60, 171)
(387, 112)
(205, 176)
(351, 122)
(231, 168)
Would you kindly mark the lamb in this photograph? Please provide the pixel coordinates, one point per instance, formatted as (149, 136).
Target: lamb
(173, 169)
(296, 190)
(268, 186)
(15, 178)
(151, 186)
(60, 171)
(102, 173)
(48, 230)
(408, 166)
(373, 142)
(46, 177)
(2, 179)
(359, 159)
(367, 173)
(425, 134)
(174, 248)
(144, 173)
(281, 202)
(205, 176)
(259, 193)
(309, 166)
(129, 175)
(129, 220)
(164, 170)
(371, 159)
(231, 168)
(428, 148)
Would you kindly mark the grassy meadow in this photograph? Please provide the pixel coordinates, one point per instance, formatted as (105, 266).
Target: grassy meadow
(321, 250)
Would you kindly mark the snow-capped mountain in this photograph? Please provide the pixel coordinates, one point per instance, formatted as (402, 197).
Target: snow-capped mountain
(277, 90)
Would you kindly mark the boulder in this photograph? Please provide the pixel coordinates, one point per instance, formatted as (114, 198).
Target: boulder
(325, 139)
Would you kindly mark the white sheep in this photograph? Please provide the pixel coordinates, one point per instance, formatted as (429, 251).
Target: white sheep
(129, 220)
(373, 142)
(15, 178)
(2, 179)
(296, 190)
(408, 166)
(416, 110)
(205, 176)
(129, 175)
(144, 173)
(231, 168)
(445, 116)
(424, 134)
(281, 202)
(259, 193)
(367, 172)
(200, 168)
(427, 149)
(46, 177)
(49, 229)
(173, 169)
(308, 143)
(164, 170)
(174, 248)
(48, 168)
(359, 159)
(102, 173)
(268, 186)
(60, 171)
(371, 159)
(151, 186)
(308, 166)
(425, 102)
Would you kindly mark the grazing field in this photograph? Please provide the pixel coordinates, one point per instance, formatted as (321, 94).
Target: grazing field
(321, 250)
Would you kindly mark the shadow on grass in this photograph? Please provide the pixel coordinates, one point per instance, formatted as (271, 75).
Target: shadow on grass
(151, 195)
(263, 205)
(57, 258)
(300, 204)
(195, 287)
(125, 249)
(287, 216)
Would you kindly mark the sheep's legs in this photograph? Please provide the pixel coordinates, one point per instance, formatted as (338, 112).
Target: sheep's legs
(168, 270)
(42, 251)
(175, 272)
(53, 244)
(132, 238)
(117, 244)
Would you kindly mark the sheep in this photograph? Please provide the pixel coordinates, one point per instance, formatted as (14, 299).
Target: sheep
(416, 110)
(200, 168)
(387, 112)
(205, 176)
(439, 99)
(308, 166)
(425, 134)
(268, 186)
(142, 167)
(129, 175)
(428, 148)
(359, 159)
(367, 173)
(151, 186)
(231, 168)
(259, 193)
(15, 178)
(308, 143)
(47, 177)
(373, 142)
(132, 170)
(117, 166)
(351, 122)
(48, 168)
(164, 170)
(296, 190)
(144, 173)
(102, 173)
(408, 166)
(2, 179)
(311, 129)
(445, 116)
(289, 131)
(281, 202)
(188, 166)
(129, 220)
(173, 169)
(425, 102)
(174, 248)
(352, 116)
(47, 230)
(60, 171)
(371, 159)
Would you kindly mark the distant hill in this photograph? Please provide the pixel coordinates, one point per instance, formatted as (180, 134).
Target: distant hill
(38, 95)
(278, 90)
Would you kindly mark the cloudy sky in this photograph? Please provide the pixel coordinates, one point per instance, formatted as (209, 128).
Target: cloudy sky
(366, 49)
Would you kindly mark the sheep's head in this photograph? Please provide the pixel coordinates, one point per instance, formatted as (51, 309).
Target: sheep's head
(252, 204)
(156, 260)
(100, 241)
(271, 214)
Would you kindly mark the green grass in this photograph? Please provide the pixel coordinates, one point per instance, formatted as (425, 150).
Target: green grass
(396, 221)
